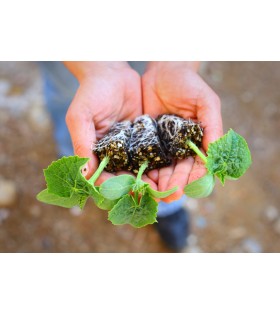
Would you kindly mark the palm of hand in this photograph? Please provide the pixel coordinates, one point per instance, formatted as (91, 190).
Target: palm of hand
(116, 96)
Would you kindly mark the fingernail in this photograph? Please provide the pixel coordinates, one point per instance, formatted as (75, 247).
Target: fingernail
(84, 170)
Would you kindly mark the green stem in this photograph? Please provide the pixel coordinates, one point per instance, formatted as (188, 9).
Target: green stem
(141, 171)
(197, 151)
(100, 169)
(136, 197)
(139, 182)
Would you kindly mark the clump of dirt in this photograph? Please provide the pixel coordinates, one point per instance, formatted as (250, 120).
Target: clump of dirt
(115, 145)
(145, 145)
(157, 141)
(174, 132)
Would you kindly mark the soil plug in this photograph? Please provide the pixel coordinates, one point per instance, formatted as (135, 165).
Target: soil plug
(145, 145)
(174, 132)
(115, 145)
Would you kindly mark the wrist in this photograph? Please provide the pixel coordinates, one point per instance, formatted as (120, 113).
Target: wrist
(83, 70)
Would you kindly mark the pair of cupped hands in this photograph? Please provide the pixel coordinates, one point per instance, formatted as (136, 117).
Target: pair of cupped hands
(112, 91)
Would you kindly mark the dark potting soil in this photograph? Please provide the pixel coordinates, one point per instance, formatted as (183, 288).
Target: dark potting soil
(157, 141)
(115, 145)
(145, 145)
(174, 132)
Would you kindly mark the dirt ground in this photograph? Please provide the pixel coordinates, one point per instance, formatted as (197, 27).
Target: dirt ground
(243, 216)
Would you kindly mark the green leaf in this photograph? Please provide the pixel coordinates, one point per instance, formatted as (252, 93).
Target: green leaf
(161, 194)
(126, 211)
(101, 202)
(228, 157)
(115, 187)
(201, 187)
(66, 202)
(96, 196)
(148, 211)
(64, 177)
(107, 204)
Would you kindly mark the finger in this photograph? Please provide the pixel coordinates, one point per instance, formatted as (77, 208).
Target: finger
(209, 113)
(164, 176)
(82, 132)
(179, 178)
(103, 177)
(153, 175)
(146, 179)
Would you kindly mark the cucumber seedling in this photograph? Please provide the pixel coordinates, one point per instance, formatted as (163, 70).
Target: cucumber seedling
(67, 187)
(136, 203)
(227, 158)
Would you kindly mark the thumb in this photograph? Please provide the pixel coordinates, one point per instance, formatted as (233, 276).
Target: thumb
(82, 132)
(209, 113)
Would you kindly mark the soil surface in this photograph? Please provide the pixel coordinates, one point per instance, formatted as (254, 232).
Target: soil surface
(242, 216)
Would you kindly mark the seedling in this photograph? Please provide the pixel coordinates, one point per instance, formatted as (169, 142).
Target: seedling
(227, 158)
(136, 205)
(67, 187)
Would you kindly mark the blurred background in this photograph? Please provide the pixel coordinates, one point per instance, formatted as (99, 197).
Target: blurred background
(243, 216)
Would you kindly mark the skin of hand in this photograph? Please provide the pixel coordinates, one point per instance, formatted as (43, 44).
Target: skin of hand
(176, 88)
(109, 92)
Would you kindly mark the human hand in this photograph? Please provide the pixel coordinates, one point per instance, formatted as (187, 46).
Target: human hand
(109, 92)
(176, 88)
